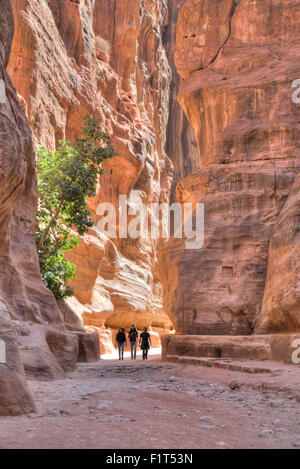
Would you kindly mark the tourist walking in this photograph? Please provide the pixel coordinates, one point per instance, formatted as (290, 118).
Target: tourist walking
(133, 336)
(121, 341)
(145, 342)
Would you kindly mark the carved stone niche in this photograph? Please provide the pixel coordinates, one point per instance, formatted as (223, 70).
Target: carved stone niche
(227, 271)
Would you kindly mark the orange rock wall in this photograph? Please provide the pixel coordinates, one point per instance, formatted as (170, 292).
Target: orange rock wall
(23, 297)
(105, 59)
(237, 61)
(22, 292)
(230, 141)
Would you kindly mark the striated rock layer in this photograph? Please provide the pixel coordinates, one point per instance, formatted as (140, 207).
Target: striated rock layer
(21, 288)
(281, 302)
(230, 142)
(105, 59)
(22, 295)
(32, 331)
(181, 146)
(238, 61)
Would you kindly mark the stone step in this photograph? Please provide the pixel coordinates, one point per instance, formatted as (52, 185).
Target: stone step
(254, 348)
(219, 363)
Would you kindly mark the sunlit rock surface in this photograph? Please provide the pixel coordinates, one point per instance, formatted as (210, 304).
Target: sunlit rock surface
(32, 330)
(21, 288)
(230, 142)
(281, 302)
(105, 59)
(23, 296)
(238, 61)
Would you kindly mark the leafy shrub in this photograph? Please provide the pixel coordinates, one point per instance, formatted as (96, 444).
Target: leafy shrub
(66, 178)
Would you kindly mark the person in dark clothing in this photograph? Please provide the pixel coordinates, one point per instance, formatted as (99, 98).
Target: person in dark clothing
(133, 336)
(145, 342)
(121, 341)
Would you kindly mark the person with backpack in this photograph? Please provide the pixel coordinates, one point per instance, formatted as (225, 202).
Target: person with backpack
(121, 341)
(133, 335)
(145, 343)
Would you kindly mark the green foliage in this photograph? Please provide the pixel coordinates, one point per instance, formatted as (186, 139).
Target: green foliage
(56, 271)
(66, 178)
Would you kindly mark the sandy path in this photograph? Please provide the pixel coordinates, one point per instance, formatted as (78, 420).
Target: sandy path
(112, 404)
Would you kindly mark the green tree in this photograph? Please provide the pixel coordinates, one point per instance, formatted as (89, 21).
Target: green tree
(66, 178)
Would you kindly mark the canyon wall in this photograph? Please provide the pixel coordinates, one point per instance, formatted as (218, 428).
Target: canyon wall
(181, 146)
(33, 336)
(237, 61)
(22, 294)
(105, 59)
(197, 98)
(16, 158)
(21, 289)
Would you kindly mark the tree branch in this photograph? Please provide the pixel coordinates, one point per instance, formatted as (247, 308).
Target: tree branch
(46, 230)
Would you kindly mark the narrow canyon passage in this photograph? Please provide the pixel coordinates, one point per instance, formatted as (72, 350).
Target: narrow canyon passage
(199, 100)
(112, 404)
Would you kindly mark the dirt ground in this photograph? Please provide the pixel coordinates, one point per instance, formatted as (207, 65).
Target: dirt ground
(117, 405)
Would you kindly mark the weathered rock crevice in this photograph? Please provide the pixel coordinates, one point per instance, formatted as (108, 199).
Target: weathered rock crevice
(234, 7)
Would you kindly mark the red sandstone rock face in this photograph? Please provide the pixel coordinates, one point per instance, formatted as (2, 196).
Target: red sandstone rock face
(16, 167)
(105, 59)
(21, 288)
(15, 396)
(28, 311)
(238, 62)
(281, 302)
(181, 145)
